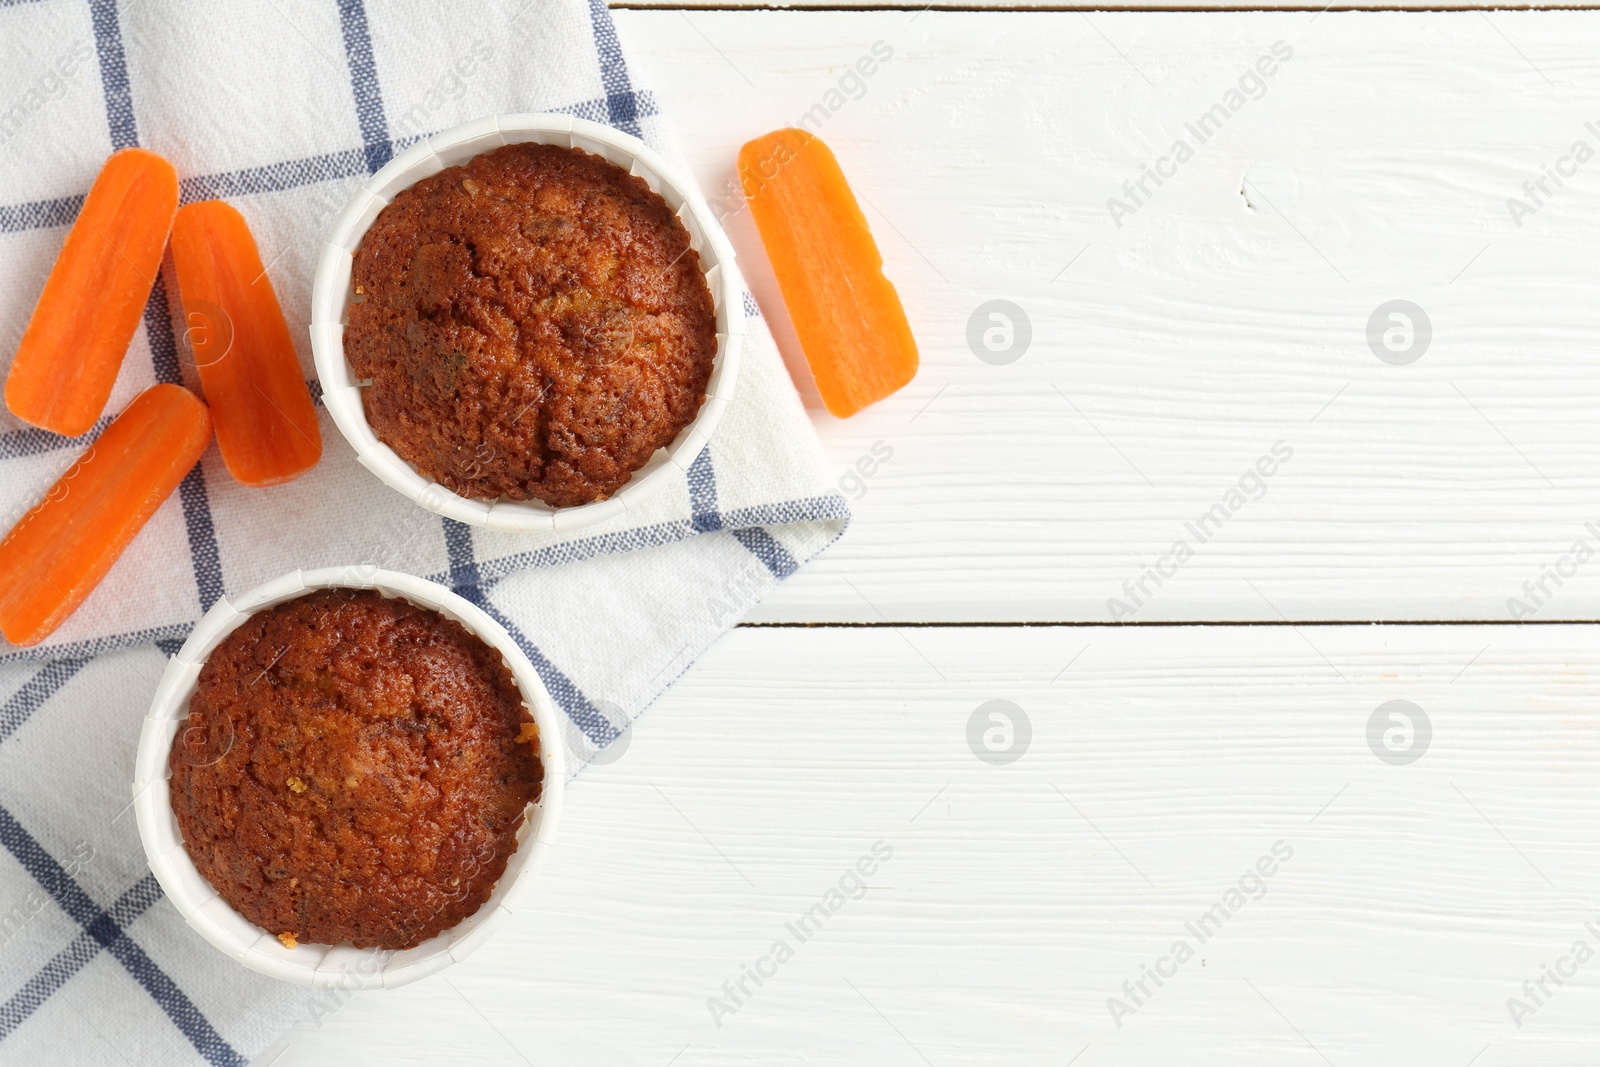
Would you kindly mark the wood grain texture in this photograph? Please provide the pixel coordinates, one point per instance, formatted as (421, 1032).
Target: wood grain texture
(1162, 765)
(1227, 313)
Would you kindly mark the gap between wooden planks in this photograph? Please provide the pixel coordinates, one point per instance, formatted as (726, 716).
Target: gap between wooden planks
(1227, 313)
(1161, 765)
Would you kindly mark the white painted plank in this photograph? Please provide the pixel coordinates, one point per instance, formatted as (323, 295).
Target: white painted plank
(1163, 763)
(1175, 350)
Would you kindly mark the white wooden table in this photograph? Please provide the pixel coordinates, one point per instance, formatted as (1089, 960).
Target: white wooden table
(1430, 875)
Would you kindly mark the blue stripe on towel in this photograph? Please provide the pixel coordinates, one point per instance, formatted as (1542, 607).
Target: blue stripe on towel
(179, 1008)
(364, 83)
(32, 441)
(203, 552)
(458, 547)
(275, 177)
(466, 581)
(703, 493)
(765, 547)
(781, 513)
(177, 631)
(157, 313)
(51, 977)
(114, 73)
(47, 872)
(622, 104)
(278, 177)
(158, 334)
(34, 692)
(105, 929)
(98, 925)
(70, 960)
(703, 504)
(39, 214)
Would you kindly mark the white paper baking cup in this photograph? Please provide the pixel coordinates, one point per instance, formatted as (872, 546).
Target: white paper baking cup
(337, 966)
(331, 293)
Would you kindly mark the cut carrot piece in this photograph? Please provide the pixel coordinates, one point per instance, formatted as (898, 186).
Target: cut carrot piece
(846, 313)
(57, 554)
(266, 425)
(72, 349)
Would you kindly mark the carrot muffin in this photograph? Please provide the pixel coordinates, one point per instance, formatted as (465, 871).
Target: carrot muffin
(354, 768)
(534, 325)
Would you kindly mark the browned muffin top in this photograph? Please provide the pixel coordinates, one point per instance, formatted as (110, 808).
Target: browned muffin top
(354, 768)
(534, 325)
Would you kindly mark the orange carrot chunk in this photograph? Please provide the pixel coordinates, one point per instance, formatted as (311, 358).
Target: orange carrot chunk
(266, 425)
(846, 314)
(72, 349)
(55, 556)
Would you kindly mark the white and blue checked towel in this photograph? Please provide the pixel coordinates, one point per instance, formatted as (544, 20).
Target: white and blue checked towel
(283, 108)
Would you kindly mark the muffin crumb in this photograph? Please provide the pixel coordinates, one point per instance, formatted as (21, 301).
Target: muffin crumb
(535, 324)
(417, 711)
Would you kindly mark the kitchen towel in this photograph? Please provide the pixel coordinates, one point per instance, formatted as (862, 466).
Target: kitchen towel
(283, 109)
